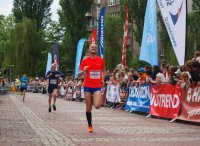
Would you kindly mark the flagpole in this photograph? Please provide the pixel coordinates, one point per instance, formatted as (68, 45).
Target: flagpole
(186, 32)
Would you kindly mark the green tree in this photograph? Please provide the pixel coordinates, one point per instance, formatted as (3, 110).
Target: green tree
(113, 41)
(6, 25)
(196, 5)
(26, 45)
(54, 32)
(72, 17)
(193, 35)
(32, 9)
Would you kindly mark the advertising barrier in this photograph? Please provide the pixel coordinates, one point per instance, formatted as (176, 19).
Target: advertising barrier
(139, 98)
(165, 100)
(112, 94)
(190, 107)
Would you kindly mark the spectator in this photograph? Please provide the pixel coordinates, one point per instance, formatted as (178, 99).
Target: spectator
(148, 70)
(155, 71)
(197, 56)
(184, 81)
(193, 67)
(160, 78)
(142, 76)
(172, 75)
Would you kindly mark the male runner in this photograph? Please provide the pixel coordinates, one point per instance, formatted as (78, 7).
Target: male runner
(53, 77)
(93, 68)
(23, 85)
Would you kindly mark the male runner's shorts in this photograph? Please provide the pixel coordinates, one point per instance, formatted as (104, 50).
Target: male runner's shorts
(91, 90)
(22, 89)
(50, 89)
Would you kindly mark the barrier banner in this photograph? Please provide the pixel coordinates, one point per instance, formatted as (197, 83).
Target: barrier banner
(190, 108)
(165, 100)
(112, 94)
(123, 94)
(139, 98)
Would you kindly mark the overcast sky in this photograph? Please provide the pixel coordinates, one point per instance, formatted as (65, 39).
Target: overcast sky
(6, 8)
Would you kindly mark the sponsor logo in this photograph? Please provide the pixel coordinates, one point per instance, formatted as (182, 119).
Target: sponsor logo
(192, 113)
(195, 96)
(175, 17)
(165, 100)
(141, 92)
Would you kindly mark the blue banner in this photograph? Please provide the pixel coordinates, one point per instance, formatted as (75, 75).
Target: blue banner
(79, 52)
(49, 62)
(149, 48)
(101, 32)
(139, 98)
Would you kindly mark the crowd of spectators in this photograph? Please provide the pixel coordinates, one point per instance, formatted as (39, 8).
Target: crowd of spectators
(187, 75)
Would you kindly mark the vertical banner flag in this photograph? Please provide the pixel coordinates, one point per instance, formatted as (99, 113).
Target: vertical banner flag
(93, 37)
(125, 37)
(49, 62)
(174, 17)
(101, 32)
(149, 48)
(79, 52)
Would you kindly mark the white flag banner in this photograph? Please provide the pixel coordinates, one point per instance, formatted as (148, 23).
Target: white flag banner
(174, 17)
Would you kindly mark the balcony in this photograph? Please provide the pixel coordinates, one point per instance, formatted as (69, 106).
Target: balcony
(88, 15)
(98, 3)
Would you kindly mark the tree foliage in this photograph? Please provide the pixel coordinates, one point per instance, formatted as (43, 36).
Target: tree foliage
(32, 9)
(193, 35)
(26, 45)
(113, 41)
(72, 17)
(6, 25)
(196, 5)
(54, 32)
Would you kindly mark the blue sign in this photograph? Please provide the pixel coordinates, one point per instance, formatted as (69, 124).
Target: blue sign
(139, 98)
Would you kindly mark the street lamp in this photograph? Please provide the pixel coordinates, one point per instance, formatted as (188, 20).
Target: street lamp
(10, 71)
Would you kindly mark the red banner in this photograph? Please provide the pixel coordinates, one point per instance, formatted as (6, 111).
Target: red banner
(93, 37)
(125, 37)
(190, 108)
(165, 100)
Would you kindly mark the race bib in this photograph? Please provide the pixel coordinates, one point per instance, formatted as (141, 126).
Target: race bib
(23, 84)
(53, 81)
(95, 74)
